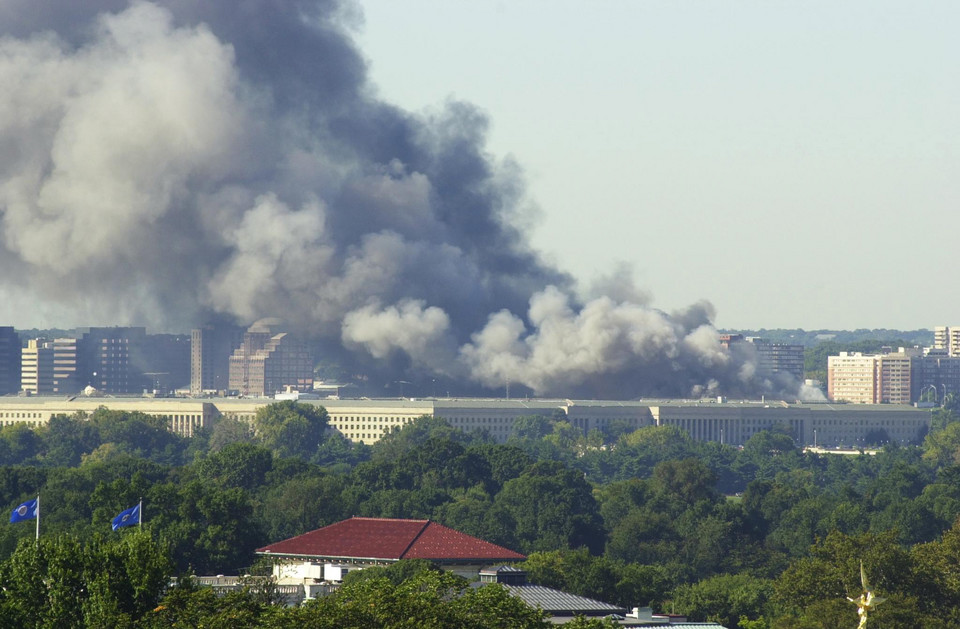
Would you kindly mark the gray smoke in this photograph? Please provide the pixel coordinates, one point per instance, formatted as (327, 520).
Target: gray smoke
(163, 163)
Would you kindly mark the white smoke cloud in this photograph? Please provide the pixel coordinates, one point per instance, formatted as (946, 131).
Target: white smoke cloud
(163, 162)
(421, 333)
(568, 346)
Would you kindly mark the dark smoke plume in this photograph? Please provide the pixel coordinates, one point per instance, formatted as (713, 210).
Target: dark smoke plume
(168, 162)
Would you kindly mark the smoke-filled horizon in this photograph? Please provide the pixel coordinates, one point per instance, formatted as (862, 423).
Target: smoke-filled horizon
(166, 163)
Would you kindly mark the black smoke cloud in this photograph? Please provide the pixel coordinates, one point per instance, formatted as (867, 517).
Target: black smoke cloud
(168, 162)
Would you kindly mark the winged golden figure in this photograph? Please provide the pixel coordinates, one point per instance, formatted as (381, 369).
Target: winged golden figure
(867, 601)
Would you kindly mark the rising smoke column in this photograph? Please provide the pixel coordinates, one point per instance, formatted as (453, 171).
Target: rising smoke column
(163, 162)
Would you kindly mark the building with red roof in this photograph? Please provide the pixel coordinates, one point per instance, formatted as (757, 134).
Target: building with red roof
(329, 552)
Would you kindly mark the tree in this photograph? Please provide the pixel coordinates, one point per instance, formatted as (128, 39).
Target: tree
(429, 599)
(602, 578)
(18, 444)
(505, 461)
(637, 453)
(396, 573)
(188, 605)
(339, 452)
(139, 434)
(239, 464)
(724, 599)
(291, 429)
(812, 585)
(57, 582)
(66, 439)
(937, 566)
(302, 504)
(401, 439)
(551, 506)
(942, 447)
(684, 482)
(228, 430)
(533, 427)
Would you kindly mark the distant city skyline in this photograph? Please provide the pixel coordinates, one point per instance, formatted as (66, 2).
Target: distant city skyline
(792, 163)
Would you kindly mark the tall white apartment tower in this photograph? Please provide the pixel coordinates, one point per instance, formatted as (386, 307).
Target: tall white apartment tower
(853, 377)
(948, 338)
(36, 367)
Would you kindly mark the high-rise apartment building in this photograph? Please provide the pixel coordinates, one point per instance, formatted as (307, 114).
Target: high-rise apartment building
(852, 377)
(889, 378)
(895, 376)
(947, 338)
(210, 350)
(268, 362)
(10, 352)
(36, 367)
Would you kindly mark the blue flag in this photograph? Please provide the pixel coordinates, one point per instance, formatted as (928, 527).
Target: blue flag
(26, 511)
(127, 518)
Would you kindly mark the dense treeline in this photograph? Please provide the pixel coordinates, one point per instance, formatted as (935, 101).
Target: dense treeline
(759, 536)
(815, 357)
(809, 338)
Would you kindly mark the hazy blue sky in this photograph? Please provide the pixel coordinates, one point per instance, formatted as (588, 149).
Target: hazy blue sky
(795, 163)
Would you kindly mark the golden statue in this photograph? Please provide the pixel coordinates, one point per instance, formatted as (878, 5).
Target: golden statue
(867, 600)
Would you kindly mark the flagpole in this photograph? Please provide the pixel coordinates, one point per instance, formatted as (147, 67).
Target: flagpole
(140, 511)
(38, 517)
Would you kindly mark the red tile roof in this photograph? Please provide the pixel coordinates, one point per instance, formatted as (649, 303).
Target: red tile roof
(391, 539)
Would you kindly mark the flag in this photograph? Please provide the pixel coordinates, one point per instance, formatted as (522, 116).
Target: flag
(26, 511)
(127, 518)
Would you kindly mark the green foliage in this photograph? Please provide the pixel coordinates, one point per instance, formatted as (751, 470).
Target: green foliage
(942, 447)
(291, 429)
(228, 430)
(580, 572)
(188, 605)
(337, 451)
(725, 599)
(401, 439)
(638, 521)
(18, 444)
(531, 427)
(57, 582)
(395, 573)
(239, 464)
(745, 623)
(811, 338)
(301, 504)
(69, 441)
(429, 599)
(832, 572)
(550, 506)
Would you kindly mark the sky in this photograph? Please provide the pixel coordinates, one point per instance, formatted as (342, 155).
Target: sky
(793, 163)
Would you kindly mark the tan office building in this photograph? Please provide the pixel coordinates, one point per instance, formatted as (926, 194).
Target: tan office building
(268, 362)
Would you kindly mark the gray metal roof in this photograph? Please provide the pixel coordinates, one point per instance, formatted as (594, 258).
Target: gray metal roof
(501, 569)
(561, 603)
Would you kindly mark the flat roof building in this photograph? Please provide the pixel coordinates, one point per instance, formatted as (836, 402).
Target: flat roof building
(368, 421)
